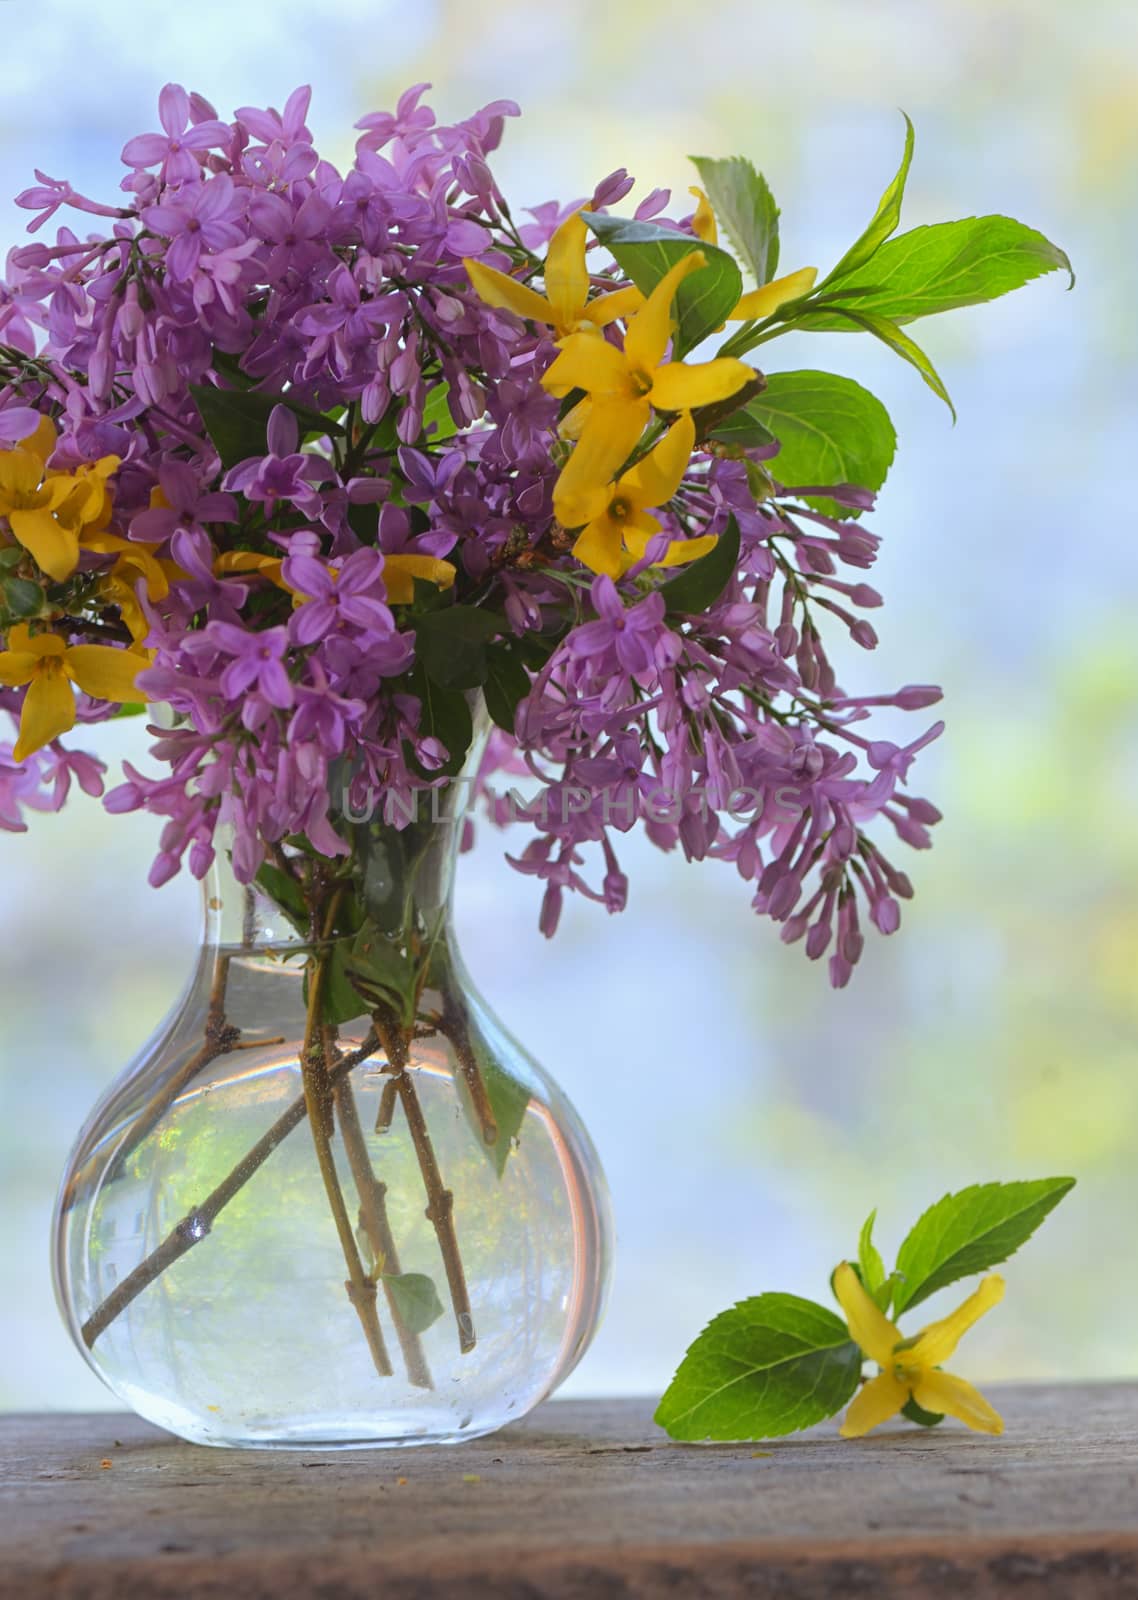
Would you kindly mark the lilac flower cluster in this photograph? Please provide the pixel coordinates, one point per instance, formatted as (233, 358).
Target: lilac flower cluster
(319, 443)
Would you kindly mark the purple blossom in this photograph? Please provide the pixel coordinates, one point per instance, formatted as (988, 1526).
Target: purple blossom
(351, 593)
(179, 147)
(201, 216)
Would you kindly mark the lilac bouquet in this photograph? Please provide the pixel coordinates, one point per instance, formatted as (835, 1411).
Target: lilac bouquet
(339, 469)
(321, 460)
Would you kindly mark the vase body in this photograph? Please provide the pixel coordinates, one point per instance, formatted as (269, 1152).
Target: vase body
(200, 1253)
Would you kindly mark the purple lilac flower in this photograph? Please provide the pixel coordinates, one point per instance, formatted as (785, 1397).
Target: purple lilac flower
(179, 146)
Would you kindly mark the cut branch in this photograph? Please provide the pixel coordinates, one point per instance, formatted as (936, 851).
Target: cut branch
(440, 1200)
(374, 1220)
(318, 1091)
(197, 1223)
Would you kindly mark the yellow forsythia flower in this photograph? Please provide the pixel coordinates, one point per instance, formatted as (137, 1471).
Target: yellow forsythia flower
(910, 1367)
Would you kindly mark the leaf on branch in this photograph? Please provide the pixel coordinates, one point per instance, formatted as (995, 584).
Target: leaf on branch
(237, 420)
(769, 1366)
(884, 221)
(938, 268)
(742, 200)
(969, 1232)
(645, 252)
(830, 430)
(700, 585)
(507, 684)
(451, 645)
(417, 1298)
(869, 1259)
(900, 343)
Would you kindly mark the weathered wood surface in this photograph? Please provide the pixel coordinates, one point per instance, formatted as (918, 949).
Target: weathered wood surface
(585, 1500)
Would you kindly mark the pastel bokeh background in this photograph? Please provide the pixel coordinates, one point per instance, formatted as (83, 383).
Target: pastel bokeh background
(747, 1116)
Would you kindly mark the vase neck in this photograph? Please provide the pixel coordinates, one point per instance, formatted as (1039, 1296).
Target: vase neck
(401, 866)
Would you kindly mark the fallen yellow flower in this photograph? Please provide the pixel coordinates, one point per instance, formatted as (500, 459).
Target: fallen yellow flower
(615, 525)
(565, 305)
(910, 1367)
(756, 304)
(50, 666)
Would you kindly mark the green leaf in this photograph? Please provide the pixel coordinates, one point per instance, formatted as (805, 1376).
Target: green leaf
(436, 416)
(969, 1232)
(830, 430)
(937, 268)
(11, 556)
(451, 645)
(869, 1258)
(509, 1101)
(645, 252)
(507, 683)
(445, 716)
(417, 1298)
(701, 584)
(884, 222)
(237, 419)
(376, 968)
(744, 429)
(769, 1366)
(916, 1413)
(900, 343)
(340, 1000)
(22, 597)
(743, 203)
(285, 892)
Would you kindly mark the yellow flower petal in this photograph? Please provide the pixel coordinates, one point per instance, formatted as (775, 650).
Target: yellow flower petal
(591, 364)
(49, 710)
(764, 302)
(881, 1398)
(677, 387)
(21, 473)
(400, 572)
(940, 1391)
(21, 637)
(653, 325)
(934, 1345)
(18, 667)
(639, 530)
(566, 279)
(105, 673)
(653, 481)
(498, 289)
(599, 547)
(607, 440)
(54, 548)
(869, 1326)
(43, 441)
(572, 424)
(607, 308)
(681, 551)
(703, 224)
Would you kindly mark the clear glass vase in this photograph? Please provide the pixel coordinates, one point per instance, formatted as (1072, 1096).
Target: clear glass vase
(291, 1226)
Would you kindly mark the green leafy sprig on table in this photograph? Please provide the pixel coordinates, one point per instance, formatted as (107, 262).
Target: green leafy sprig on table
(777, 1363)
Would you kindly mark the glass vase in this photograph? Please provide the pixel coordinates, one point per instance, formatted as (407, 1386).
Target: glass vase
(333, 1202)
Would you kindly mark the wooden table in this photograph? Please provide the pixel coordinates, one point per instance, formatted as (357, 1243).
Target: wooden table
(584, 1499)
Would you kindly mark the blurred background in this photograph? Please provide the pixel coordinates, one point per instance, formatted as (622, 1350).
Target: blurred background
(748, 1117)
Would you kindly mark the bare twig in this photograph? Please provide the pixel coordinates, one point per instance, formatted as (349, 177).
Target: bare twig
(374, 1220)
(198, 1222)
(440, 1200)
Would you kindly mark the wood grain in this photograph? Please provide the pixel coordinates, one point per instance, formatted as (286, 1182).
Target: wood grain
(584, 1499)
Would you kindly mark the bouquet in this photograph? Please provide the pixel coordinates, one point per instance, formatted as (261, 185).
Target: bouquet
(308, 457)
